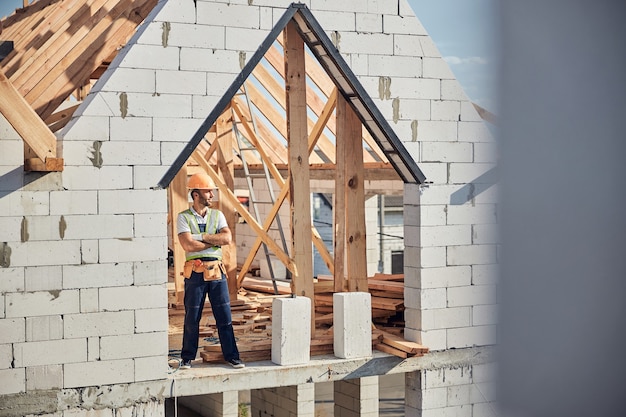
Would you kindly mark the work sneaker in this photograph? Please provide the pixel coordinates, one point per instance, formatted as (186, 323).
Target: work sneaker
(185, 364)
(237, 363)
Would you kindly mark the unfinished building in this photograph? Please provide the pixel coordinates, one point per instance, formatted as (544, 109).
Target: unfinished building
(108, 106)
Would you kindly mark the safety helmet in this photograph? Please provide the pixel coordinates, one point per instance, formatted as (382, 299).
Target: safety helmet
(200, 181)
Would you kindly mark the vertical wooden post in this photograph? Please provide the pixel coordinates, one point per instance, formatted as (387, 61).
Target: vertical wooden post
(349, 132)
(178, 202)
(299, 186)
(339, 205)
(226, 168)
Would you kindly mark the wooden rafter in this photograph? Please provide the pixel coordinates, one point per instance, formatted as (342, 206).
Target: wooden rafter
(29, 126)
(226, 171)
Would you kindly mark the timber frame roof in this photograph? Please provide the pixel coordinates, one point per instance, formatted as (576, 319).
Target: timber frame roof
(62, 47)
(344, 80)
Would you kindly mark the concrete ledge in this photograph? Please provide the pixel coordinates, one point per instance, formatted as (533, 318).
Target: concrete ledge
(210, 378)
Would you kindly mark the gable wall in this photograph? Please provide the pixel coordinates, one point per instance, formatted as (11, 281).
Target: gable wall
(96, 246)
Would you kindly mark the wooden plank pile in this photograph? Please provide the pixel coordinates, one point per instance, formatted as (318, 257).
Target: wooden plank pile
(254, 348)
(252, 313)
(396, 345)
(387, 298)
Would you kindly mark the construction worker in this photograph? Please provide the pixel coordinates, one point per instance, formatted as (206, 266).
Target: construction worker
(202, 231)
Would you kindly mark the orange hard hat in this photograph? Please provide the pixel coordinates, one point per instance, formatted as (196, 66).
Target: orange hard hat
(200, 181)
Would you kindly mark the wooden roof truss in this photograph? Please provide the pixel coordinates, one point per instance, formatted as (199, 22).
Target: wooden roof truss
(60, 47)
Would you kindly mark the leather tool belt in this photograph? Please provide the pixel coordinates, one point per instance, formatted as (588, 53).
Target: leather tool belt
(212, 270)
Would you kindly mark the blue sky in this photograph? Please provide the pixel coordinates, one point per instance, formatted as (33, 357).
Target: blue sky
(463, 30)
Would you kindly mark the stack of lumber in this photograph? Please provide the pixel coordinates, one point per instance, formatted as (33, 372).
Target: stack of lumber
(387, 297)
(252, 313)
(396, 345)
(254, 348)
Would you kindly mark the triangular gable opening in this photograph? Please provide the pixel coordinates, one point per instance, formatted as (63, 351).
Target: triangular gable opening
(290, 104)
(343, 78)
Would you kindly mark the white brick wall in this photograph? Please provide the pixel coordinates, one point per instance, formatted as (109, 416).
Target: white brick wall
(133, 298)
(131, 153)
(150, 368)
(52, 352)
(98, 324)
(73, 202)
(12, 330)
(133, 345)
(150, 272)
(187, 35)
(130, 80)
(6, 356)
(98, 226)
(43, 303)
(98, 275)
(43, 328)
(13, 381)
(372, 43)
(98, 373)
(44, 377)
(138, 249)
(173, 130)
(151, 320)
(229, 15)
(447, 152)
(43, 278)
(394, 66)
(92, 178)
(446, 392)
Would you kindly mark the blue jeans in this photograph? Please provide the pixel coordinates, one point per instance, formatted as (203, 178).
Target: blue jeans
(196, 289)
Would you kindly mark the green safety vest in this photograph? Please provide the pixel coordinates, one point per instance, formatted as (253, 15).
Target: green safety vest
(211, 228)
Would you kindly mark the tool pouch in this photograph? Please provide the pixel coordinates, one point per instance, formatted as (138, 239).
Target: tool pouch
(212, 270)
(187, 268)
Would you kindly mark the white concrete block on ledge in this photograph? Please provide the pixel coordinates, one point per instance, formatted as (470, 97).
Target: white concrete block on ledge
(291, 330)
(352, 330)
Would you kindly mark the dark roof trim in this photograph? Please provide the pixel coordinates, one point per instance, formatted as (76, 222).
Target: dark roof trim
(343, 77)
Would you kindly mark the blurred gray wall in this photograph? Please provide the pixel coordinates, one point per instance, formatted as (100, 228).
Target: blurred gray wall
(563, 215)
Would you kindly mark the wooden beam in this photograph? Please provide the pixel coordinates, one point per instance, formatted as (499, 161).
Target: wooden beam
(26, 122)
(349, 131)
(339, 215)
(35, 45)
(49, 165)
(103, 38)
(59, 119)
(226, 170)
(177, 194)
(300, 203)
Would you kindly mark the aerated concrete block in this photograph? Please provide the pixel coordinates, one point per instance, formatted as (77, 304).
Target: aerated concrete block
(352, 313)
(291, 330)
